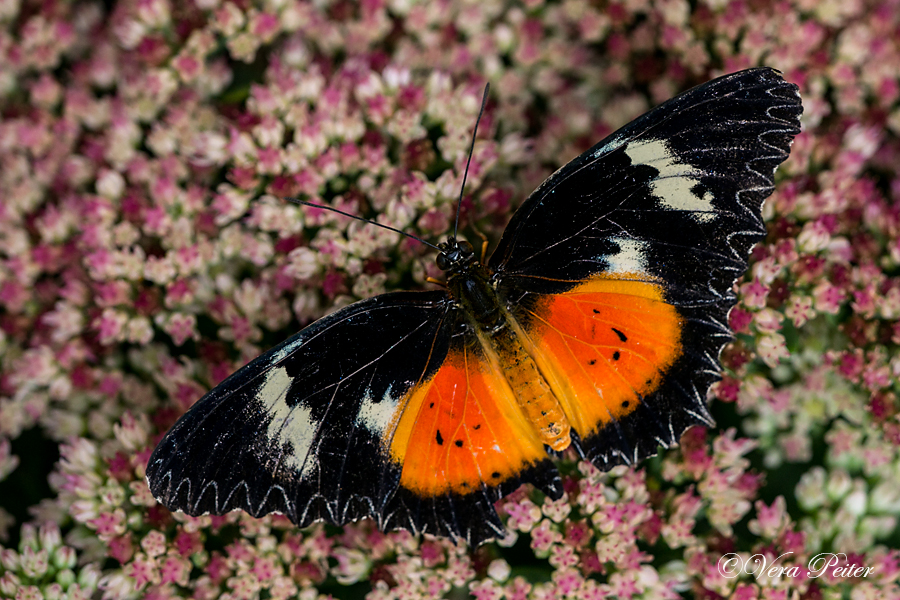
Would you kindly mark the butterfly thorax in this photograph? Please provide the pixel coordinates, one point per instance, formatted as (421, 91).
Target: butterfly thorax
(500, 340)
(469, 285)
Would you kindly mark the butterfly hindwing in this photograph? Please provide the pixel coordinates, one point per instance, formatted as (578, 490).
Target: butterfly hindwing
(464, 443)
(669, 206)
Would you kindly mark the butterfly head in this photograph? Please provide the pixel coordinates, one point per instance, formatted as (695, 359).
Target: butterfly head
(456, 255)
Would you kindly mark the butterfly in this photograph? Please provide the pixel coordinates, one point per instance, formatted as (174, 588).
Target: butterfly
(595, 325)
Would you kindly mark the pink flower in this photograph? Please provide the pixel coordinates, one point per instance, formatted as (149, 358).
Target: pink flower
(144, 570)
(178, 292)
(131, 433)
(109, 524)
(770, 520)
(218, 568)
(244, 586)
(800, 310)
(154, 543)
(563, 556)
(745, 591)
(772, 348)
(740, 319)
(188, 259)
(578, 533)
(754, 294)
(188, 67)
(793, 541)
(518, 589)
(264, 26)
(775, 594)
(269, 161)
(568, 582)
(544, 536)
(486, 589)
(121, 548)
(851, 364)
(187, 542)
(333, 284)
(623, 585)
(523, 515)
(175, 569)
(557, 510)
(181, 327)
(432, 554)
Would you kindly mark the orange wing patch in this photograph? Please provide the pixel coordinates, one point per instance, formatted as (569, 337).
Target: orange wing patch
(602, 346)
(461, 428)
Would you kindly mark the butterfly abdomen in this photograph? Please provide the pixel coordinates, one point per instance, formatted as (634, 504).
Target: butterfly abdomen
(508, 358)
(531, 390)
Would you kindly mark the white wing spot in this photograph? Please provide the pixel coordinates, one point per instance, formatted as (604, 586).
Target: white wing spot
(292, 425)
(672, 187)
(630, 259)
(284, 351)
(376, 416)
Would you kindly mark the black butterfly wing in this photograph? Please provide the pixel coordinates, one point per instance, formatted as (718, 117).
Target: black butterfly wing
(620, 266)
(310, 428)
(298, 430)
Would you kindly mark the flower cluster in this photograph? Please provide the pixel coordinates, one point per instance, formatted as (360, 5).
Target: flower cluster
(44, 567)
(147, 251)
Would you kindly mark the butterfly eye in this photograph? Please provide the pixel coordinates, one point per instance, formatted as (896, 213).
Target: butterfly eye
(443, 263)
(465, 248)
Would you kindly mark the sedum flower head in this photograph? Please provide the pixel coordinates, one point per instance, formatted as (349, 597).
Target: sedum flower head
(146, 252)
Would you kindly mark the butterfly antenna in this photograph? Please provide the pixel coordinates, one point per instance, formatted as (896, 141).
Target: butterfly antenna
(346, 214)
(487, 88)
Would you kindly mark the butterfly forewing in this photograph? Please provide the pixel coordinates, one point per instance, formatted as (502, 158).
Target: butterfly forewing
(677, 187)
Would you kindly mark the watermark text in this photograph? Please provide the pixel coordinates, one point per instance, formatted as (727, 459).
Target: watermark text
(733, 565)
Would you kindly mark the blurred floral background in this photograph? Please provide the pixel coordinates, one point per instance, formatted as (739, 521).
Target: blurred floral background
(145, 253)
